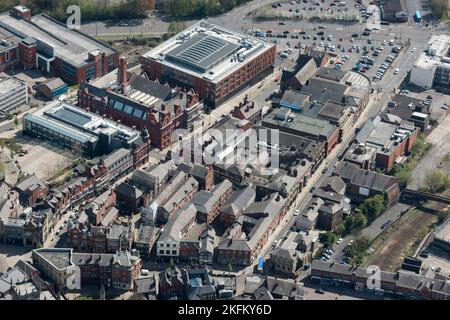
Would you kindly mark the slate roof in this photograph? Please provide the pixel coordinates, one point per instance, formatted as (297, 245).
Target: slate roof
(177, 221)
(239, 201)
(330, 73)
(323, 90)
(54, 84)
(364, 178)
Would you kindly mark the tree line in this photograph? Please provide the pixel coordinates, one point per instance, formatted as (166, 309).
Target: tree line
(199, 8)
(90, 9)
(439, 8)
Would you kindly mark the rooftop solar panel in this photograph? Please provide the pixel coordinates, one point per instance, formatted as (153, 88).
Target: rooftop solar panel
(202, 52)
(71, 116)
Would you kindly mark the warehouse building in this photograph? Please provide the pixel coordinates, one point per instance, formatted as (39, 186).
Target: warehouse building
(79, 130)
(13, 95)
(433, 66)
(53, 88)
(214, 61)
(41, 42)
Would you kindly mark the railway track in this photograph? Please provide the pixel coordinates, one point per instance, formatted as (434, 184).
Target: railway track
(391, 250)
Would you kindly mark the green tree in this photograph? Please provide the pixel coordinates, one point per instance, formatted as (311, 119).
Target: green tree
(372, 207)
(171, 263)
(435, 182)
(328, 239)
(439, 8)
(229, 267)
(404, 177)
(16, 121)
(358, 248)
(340, 229)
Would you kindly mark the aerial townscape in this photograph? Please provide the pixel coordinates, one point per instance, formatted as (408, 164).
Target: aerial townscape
(225, 150)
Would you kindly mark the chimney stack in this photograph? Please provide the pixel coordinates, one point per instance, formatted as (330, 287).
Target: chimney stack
(122, 72)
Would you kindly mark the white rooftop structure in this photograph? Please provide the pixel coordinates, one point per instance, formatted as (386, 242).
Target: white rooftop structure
(435, 55)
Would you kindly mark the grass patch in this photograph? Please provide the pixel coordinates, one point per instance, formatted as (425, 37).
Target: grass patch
(85, 298)
(64, 174)
(74, 87)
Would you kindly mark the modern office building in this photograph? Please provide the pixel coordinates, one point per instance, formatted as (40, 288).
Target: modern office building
(41, 42)
(214, 61)
(433, 65)
(13, 94)
(80, 130)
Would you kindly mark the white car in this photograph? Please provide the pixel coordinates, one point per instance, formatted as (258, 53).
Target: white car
(275, 243)
(413, 50)
(321, 44)
(396, 71)
(339, 241)
(297, 212)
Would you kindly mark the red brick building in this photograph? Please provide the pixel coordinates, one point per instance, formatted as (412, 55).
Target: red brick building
(143, 104)
(42, 42)
(214, 61)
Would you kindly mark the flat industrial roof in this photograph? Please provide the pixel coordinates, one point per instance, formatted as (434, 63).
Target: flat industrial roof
(70, 45)
(440, 45)
(77, 123)
(208, 50)
(202, 51)
(9, 84)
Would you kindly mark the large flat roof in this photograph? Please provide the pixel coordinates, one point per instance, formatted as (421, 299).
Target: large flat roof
(78, 123)
(208, 51)
(10, 84)
(440, 46)
(70, 45)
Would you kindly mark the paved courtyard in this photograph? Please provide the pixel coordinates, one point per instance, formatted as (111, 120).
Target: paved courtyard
(43, 158)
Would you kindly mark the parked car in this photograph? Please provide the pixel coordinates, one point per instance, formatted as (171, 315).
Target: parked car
(320, 291)
(424, 254)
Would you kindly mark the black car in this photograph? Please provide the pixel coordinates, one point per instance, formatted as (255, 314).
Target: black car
(355, 35)
(429, 97)
(320, 291)
(424, 254)
(320, 33)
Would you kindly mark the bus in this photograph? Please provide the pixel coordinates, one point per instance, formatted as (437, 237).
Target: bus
(418, 16)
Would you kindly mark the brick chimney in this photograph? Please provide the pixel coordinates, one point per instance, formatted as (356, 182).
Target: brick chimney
(122, 72)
